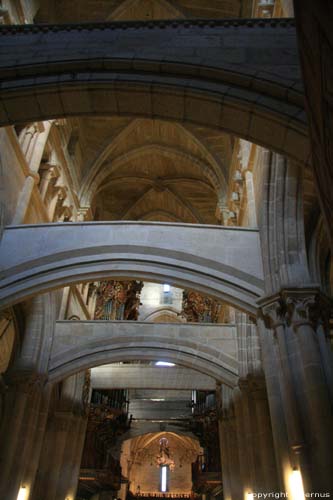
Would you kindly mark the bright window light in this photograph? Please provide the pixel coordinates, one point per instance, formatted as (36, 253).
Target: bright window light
(166, 288)
(23, 493)
(164, 363)
(296, 485)
(164, 478)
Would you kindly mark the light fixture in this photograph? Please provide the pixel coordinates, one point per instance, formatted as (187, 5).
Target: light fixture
(296, 485)
(23, 493)
(249, 496)
(164, 363)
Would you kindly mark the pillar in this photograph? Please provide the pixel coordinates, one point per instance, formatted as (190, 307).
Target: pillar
(300, 397)
(33, 152)
(26, 399)
(63, 442)
(231, 477)
(22, 428)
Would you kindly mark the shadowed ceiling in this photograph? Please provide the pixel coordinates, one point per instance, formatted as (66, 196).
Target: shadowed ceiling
(63, 11)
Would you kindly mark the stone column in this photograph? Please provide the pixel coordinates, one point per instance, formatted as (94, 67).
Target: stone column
(254, 436)
(77, 457)
(71, 463)
(300, 387)
(24, 198)
(63, 442)
(257, 464)
(303, 309)
(232, 484)
(122, 493)
(32, 178)
(26, 400)
(294, 455)
(266, 477)
(22, 427)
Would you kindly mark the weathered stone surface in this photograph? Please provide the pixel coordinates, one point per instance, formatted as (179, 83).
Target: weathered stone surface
(233, 71)
(82, 344)
(222, 261)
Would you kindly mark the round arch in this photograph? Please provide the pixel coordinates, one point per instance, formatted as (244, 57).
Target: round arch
(223, 262)
(165, 72)
(216, 364)
(156, 97)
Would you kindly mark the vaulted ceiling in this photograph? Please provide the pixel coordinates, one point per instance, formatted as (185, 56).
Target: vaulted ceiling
(142, 169)
(63, 11)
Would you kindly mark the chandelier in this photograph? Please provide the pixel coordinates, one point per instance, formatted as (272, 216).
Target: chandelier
(164, 457)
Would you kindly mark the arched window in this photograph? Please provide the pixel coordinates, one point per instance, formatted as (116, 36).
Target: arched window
(164, 478)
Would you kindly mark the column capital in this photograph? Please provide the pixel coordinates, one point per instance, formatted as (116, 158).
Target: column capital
(296, 307)
(308, 306)
(34, 175)
(272, 311)
(84, 213)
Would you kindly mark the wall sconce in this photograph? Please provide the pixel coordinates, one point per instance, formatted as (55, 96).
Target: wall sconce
(23, 494)
(296, 485)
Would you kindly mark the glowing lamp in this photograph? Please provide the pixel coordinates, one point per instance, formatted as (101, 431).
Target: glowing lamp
(23, 493)
(296, 485)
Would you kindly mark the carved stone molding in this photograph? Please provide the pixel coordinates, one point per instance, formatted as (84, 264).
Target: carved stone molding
(296, 307)
(273, 311)
(153, 24)
(84, 214)
(308, 307)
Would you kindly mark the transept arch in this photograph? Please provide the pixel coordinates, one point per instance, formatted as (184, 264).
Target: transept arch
(221, 367)
(228, 265)
(216, 92)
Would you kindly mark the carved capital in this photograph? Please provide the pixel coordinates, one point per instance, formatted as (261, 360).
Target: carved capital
(35, 176)
(296, 307)
(83, 214)
(307, 307)
(273, 312)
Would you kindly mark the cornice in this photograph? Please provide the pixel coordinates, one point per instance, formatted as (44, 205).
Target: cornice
(160, 24)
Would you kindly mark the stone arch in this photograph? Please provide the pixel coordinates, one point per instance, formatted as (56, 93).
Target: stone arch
(228, 265)
(162, 311)
(84, 70)
(209, 361)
